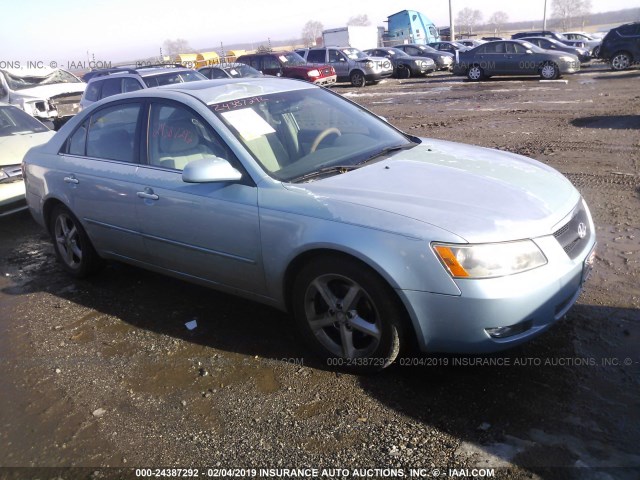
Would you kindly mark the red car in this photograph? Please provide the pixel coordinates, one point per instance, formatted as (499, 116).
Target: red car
(290, 65)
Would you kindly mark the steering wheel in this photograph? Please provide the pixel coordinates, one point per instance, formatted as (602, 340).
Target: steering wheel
(322, 135)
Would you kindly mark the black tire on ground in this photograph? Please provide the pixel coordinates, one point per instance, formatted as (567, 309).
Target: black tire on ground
(357, 79)
(620, 61)
(347, 314)
(475, 73)
(404, 71)
(549, 71)
(71, 243)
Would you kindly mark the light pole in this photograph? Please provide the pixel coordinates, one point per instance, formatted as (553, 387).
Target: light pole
(544, 18)
(452, 27)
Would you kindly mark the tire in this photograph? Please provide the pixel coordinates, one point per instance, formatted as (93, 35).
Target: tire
(475, 73)
(620, 61)
(71, 243)
(357, 79)
(596, 52)
(403, 71)
(549, 71)
(361, 337)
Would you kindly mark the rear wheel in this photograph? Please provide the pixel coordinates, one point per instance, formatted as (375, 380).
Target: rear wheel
(620, 61)
(347, 314)
(549, 71)
(357, 79)
(71, 243)
(475, 73)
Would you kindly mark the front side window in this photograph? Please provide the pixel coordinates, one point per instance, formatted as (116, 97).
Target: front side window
(178, 136)
(112, 133)
(110, 87)
(92, 93)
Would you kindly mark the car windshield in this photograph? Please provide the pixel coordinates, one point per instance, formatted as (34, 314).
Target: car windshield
(427, 48)
(242, 70)
(294, 135)
(20, 82)
(532, 47)
(291, 58)
(396, 52)
(354, 53)
(14, 121)
(173, 77)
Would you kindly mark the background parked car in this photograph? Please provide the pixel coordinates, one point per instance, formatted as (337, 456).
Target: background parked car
(621, 46)
(48, 94)
(108, 82)
(18, 133)
(591, 43)
(350, 64)
(548, 34)
(444, 60)
(404, 66)
(472, 43)
(556, 46)
(230, 70)
(289, 65)
(514, 57)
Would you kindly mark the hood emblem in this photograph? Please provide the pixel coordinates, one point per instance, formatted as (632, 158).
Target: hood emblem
(582, 230)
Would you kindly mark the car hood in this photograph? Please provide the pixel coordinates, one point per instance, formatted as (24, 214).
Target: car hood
(14, 147)
(479, 194)
(48, 91)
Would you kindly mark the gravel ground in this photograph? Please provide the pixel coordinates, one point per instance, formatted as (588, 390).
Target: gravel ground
(103, 372)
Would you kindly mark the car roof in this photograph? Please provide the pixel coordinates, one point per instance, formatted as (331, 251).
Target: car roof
(216, 91)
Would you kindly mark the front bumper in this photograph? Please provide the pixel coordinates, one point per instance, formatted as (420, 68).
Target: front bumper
(330, 80)
(12, 198)
(528, 302)
(375, 76)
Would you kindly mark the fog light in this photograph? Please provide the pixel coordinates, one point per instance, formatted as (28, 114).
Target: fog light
(509, 331)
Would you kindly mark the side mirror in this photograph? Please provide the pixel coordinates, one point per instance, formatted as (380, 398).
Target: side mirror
(210, 169)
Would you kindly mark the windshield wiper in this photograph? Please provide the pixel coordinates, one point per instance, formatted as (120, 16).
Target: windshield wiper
(324, 171)
(386, 151)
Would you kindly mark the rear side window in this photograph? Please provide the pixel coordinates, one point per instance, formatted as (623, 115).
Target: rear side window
(629, 30)
(316, 56)
(270, 62)
(92, 93)
(112, 133)
(112, 86)
(130, 85)
(217, 73)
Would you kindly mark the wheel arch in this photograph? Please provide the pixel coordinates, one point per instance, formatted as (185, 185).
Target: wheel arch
(296, 264)
(47, 208)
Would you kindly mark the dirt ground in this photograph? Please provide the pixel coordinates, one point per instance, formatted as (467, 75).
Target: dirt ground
(103, 372)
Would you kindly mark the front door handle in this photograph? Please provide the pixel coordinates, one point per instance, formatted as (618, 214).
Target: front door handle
(71, 179)
(148, 194)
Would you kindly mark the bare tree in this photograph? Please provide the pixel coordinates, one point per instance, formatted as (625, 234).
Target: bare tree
(176, 47)
(497, 20)
(310, 32)
(359, 20)
(567, 10)
(468, 19)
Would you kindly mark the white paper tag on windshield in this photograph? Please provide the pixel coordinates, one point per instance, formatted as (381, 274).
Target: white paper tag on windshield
(248, 123)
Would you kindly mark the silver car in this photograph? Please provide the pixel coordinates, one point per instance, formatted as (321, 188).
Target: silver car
(290, 195)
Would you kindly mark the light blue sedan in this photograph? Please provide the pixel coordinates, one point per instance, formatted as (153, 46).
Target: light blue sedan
(290, 195)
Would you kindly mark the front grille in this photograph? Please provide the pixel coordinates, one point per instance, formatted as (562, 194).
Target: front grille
(575, 233)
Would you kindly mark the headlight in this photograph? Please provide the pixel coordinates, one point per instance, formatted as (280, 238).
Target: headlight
(566, 59)
(489, 260)
(446, 59)
(313, 73)
(368, 64)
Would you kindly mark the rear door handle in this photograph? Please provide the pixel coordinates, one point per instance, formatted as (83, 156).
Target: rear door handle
(148, 194)
(71, 179)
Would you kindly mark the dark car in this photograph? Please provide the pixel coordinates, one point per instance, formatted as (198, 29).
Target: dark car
(621, 46)
(290, 65)
(514, 57)
(451, 47)
(444, 60)
(404, 66)
(556, 46)
(230, 70)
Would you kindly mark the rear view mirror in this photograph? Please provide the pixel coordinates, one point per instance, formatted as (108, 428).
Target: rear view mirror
(210, 169)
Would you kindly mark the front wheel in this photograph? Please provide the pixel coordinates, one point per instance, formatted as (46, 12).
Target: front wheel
(71, 243)
(549, 71)
(404, 71)
(620, 61)
(347, 314)
(358, 79)
(475, 73)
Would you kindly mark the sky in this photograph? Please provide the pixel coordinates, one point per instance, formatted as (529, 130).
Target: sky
(116, 30)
